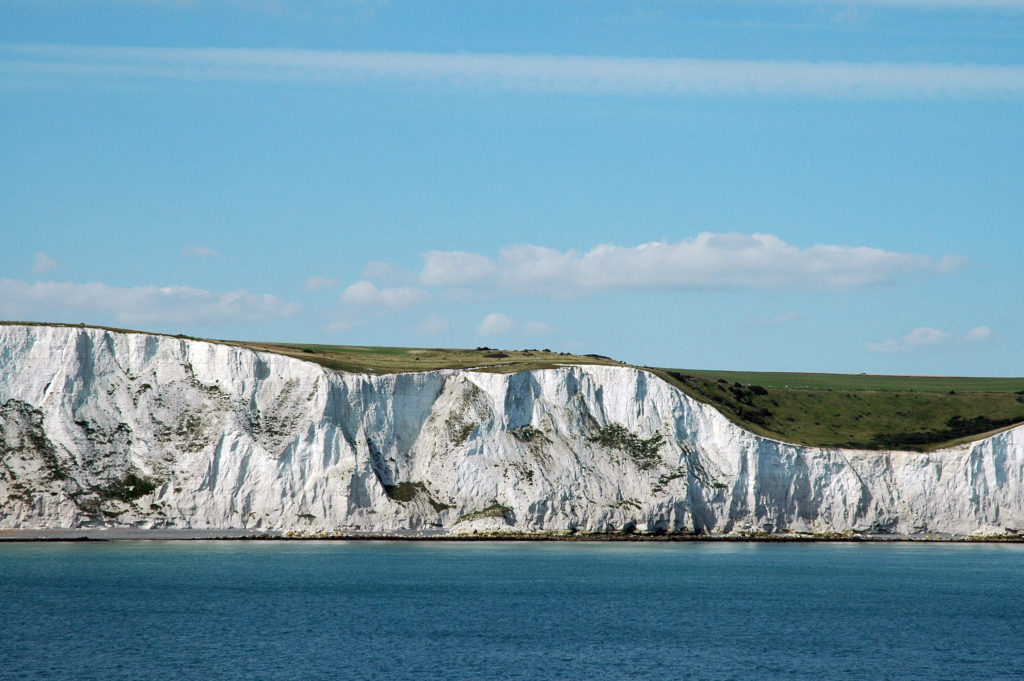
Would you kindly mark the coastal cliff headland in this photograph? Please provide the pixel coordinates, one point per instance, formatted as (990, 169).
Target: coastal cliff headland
(139, 431)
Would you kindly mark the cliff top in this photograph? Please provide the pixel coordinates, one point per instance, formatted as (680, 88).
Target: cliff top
(389, 360)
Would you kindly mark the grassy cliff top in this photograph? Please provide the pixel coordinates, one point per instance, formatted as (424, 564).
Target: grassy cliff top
(383, 360)
(857, 411)
(808, 381)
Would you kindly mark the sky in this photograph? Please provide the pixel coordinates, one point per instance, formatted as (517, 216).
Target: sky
(782, 185)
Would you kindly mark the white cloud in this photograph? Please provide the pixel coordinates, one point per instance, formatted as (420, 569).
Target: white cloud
(980, 334)
(927, 336)
(43, 263)
(545, 73)
(498, 324)
(269, 6)
(320, 283)
(454, 268)
(137, 304)
(434, 325)
(365, 294)
(199, 252)
(705, 262)
(917, 338)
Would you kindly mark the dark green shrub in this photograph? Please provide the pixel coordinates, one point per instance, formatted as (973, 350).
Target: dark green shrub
(644, 452)
(127, 489)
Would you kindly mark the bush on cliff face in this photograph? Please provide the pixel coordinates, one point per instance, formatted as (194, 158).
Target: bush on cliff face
(127, 489)
(495, 510)
(529, 434)
(644, 452)
(405, 492)
(23, 432)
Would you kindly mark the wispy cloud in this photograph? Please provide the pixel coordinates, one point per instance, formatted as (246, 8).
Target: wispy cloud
(981, 334)
(927, 336)
(931, 4)
(705, 262)
(266, 6)
(590, 75)
(498, 324)
(138, 304)
(199, 252)
(43, 263)
(365, 294)
(279, 5)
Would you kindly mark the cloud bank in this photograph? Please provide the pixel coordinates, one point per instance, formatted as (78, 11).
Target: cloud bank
(703, 263)
(587, 75)
(138, 304)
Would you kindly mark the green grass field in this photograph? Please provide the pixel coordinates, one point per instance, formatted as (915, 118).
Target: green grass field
(777, 379)
(859, 411)
(834, 410)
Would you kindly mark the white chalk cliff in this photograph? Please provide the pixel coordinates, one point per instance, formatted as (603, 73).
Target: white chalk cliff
(99, 428)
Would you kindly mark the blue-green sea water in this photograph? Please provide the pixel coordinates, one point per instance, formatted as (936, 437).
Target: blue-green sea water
(399, 610)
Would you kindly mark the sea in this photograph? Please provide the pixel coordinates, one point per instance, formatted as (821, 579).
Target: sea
(510, 610)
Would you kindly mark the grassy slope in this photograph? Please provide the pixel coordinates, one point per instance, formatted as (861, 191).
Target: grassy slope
(841, 410)
(776, 379)
(859, 411)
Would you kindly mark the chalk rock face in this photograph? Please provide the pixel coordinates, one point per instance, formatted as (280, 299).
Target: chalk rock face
(134, 430)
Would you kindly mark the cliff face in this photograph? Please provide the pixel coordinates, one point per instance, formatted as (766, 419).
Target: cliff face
(100, 428)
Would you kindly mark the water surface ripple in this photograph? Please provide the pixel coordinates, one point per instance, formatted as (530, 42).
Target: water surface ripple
(399, 610)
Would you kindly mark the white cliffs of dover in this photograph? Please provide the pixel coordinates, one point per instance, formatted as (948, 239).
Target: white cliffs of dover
(107, 429)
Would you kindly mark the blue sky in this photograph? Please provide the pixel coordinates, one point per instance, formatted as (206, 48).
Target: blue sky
(779, 185)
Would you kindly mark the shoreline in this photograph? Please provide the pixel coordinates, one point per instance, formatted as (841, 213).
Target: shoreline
(237, 534)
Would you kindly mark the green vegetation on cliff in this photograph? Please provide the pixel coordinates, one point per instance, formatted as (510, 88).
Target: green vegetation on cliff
(859, 411)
